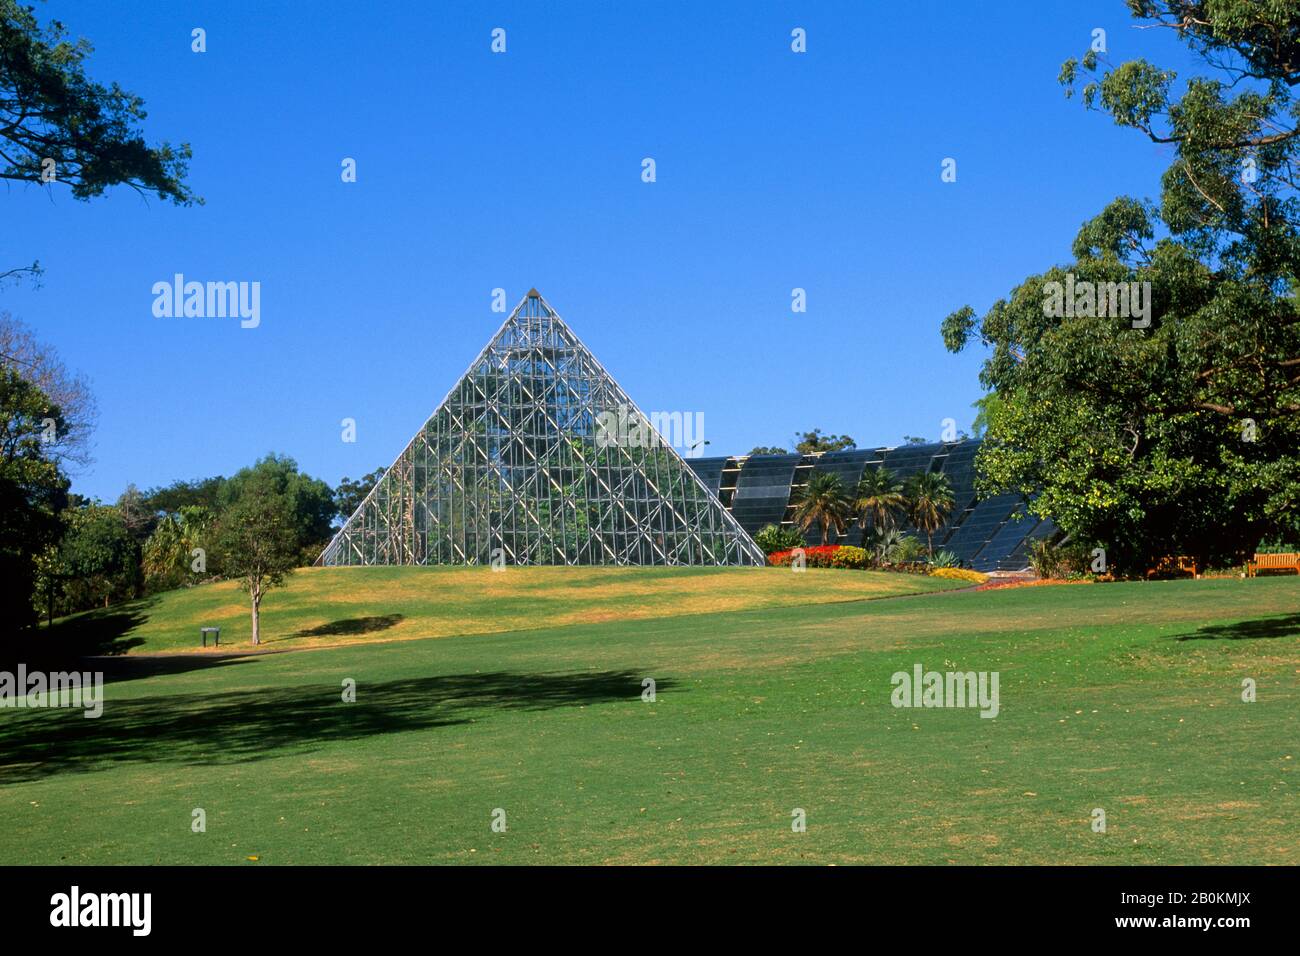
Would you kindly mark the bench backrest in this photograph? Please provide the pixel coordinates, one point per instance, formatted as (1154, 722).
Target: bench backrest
(1277, 560)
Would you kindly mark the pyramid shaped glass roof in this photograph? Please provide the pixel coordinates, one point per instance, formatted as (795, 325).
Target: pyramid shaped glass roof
(536, 456)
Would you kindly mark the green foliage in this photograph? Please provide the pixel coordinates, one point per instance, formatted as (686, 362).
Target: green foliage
(983, 409)
(823, 504)
(257, 536)
(311, 501)
(1043, 558)
(177, 553)
(883, 544)
(1277, 546)
(814, 442)
(97, 561)
(55, 120)
(768, 450)
(773, 538)
(50, 109)
(1061, 561)
(908, 550)
(186, 513)
(349, 494)
(33, 492)
(201, 492)
(40, 364)
(945, 559)
(878, 498)
(1181, 436)
(928, 501)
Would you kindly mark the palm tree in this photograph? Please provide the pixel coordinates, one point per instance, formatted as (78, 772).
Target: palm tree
(823, 503)
(169, 551)
(878, 499)
(928, 503)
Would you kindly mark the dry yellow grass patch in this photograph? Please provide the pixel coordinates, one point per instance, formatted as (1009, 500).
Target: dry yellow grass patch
(326, 607)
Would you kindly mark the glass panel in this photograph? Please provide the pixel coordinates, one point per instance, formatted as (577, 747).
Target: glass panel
(537, 456)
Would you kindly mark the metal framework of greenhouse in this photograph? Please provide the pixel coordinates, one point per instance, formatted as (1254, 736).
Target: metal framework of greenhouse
(514, 468)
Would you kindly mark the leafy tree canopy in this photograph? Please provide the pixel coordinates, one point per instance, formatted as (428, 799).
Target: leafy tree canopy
(349, 494)
(1176, 431)
(310, 499)
(98, 557)
(40, 364)
(50, 110)
(33, 491)
(813, 442)
(200, 492)
(257, 534)
(176, 552)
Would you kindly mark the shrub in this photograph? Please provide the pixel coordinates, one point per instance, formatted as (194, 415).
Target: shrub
(882, 543)
(909, 549)
(1043, 558)
(945, 559)
(773, 539)
(959, 574)
(847, 556)
(818, 556)
(1059, 560)
(1276, 546)
(780, 559)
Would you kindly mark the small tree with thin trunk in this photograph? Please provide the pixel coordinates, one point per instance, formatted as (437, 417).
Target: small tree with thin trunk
(257, 541)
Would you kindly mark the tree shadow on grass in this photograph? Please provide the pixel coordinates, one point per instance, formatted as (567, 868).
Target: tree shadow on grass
(246, 726)
(137, 666)
(353, 625)
(97, 641)
(102, 632)
(1263, 627)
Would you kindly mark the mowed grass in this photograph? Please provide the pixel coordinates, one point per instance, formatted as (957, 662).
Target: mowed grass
(323, 607)
(1124, 697)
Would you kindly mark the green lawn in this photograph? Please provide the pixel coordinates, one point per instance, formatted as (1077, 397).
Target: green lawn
(324, 607)
(1125, 697)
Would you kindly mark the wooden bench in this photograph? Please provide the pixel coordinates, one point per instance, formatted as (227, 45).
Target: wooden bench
(1273, 562)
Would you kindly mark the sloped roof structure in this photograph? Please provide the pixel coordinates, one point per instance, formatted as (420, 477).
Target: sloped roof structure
(517, 465)
(987, 534)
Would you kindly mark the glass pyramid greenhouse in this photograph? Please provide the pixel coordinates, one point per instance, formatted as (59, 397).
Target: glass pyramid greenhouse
(518, 466)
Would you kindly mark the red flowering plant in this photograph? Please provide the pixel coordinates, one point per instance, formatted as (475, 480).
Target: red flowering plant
(817, 556)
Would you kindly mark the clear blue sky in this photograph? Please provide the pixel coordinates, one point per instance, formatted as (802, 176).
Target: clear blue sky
(476, 170)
